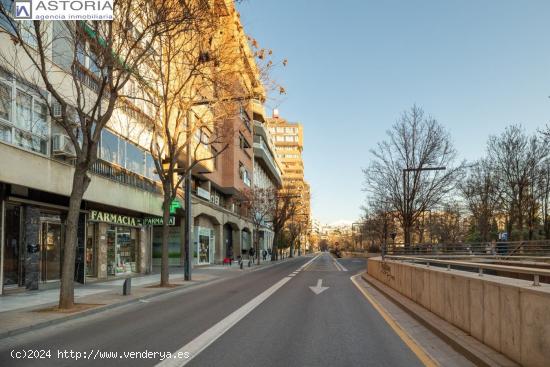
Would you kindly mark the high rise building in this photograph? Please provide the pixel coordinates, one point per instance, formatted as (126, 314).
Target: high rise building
(288, 138)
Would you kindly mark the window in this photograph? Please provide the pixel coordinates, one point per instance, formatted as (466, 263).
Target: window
(27, 126)
(243, 174)
(150, 167)
(109, 146)
(93, 66)
(243, 143)
(215, 157)
(40, 119)
(5, 101)
(5, 23)
(136, 159)
(24, 110)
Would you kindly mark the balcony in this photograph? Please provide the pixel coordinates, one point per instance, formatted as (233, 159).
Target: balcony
(263, 152)
(258, 110)
(123, 176)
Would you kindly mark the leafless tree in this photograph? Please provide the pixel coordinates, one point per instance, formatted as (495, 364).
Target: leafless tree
(481, 191)
(197, 69)
(92, 62)
(415, 142)
(285, 207)
(260, 206)
(518, 159)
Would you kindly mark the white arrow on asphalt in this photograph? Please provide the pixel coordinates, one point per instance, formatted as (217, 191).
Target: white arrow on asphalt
(319, 287)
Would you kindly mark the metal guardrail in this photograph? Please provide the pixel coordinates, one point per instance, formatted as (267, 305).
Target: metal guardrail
(536, 272)
(513, 249)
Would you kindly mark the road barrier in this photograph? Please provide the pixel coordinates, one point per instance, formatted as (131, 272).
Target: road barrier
(509, 315)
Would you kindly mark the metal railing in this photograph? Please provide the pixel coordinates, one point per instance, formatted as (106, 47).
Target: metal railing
(480, 266)
(503, 250)
(121, 175)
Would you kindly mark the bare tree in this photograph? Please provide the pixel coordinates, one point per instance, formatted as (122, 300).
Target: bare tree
(195, 68)
(415, 142)
(285, 207)
(260, 205)
(481, 191)
(92, 62)
(518, 159)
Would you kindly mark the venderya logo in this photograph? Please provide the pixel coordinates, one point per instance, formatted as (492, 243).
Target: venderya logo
(64, 9)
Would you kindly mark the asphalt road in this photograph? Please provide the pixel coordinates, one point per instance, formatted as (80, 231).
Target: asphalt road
(270, 317)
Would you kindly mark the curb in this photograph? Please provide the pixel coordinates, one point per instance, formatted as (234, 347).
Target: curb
(112, 306)
(474, 350)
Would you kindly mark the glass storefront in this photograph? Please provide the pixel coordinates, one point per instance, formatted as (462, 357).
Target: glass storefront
(204, 246)
(50, 249)
(91, 253)
(49, 234)
(174, 245)
(121, 250)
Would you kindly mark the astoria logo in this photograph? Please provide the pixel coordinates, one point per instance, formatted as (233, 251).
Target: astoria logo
(86, 5)
(64, 9)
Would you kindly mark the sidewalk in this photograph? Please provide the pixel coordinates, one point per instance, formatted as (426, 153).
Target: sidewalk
(22, 311)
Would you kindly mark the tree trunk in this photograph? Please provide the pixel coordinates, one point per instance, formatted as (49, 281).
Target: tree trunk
(164, 265)
(407, 233)
(66, 290)
(274, 248)
(257, 247)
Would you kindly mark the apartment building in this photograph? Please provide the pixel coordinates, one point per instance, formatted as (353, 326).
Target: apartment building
(289, 144)
(221, 225)
(118, 229)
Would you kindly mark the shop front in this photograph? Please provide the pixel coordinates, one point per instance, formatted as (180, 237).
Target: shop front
(32, 236)
(204, 246)
(114, 245)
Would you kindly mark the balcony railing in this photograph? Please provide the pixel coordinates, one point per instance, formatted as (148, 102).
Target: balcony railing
(258, 139)
(123, 176)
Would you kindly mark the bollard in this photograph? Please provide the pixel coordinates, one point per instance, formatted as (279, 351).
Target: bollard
(249, 263)
(241, 264)
(127, 287)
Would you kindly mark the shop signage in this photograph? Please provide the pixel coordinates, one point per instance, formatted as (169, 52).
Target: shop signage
(175, 204)
(124, 220)
(203, 193)
(158, 221)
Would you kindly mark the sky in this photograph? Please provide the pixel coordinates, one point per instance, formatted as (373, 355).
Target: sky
(355, 65)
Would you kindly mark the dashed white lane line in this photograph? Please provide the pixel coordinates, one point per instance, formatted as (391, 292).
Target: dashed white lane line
(339, 266)
(197, 345)
(201, 342)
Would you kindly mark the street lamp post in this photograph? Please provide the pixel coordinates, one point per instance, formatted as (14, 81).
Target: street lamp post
(406, 224)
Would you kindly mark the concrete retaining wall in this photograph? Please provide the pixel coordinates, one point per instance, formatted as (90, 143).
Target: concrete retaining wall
(509, 315)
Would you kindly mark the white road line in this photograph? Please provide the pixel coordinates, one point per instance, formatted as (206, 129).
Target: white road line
(201, 342)
(339, 266)
(342, 266)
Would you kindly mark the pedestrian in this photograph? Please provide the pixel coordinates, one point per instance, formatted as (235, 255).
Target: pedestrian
(264, 254)
(251, 253)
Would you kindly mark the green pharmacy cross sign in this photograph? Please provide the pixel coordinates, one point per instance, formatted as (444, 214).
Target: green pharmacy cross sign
(174, 205)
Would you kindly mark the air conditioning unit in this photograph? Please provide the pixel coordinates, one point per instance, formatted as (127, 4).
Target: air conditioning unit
(63, 146)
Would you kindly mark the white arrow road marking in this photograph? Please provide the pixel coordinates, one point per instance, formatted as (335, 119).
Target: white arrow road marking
(201, 342)
(319, 287)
